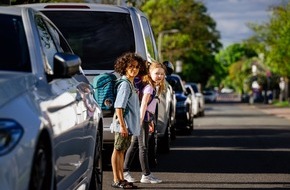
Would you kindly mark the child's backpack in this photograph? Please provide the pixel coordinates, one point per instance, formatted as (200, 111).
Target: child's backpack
(105, 91)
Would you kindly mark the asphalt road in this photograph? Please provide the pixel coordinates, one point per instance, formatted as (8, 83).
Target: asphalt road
(234, 146)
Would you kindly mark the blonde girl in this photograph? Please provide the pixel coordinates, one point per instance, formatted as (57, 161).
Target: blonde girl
(153, 85)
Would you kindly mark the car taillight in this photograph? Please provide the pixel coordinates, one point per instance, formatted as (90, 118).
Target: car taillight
(10, 134)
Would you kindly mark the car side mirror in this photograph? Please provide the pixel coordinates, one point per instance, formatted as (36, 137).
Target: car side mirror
(188, 90)
(66, 65)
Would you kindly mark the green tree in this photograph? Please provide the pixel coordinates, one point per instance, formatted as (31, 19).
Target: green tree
(196, 41)
(233, 66)
(273, 40)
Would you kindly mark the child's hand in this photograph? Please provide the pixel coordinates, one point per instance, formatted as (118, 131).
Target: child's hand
(124, 131)
(151, 127)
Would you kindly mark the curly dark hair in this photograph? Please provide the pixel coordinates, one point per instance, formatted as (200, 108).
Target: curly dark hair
(126, 59)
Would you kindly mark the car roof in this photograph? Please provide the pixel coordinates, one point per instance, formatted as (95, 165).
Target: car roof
(175, 76)
(11, 10)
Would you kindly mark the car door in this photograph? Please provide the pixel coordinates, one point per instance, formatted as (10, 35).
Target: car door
(65, 110)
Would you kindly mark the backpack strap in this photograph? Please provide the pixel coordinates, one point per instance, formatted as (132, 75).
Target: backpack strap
(152, 97)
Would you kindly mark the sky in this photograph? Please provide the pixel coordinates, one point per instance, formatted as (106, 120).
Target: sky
(232, 16)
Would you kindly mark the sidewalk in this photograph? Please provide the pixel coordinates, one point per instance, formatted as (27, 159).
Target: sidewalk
(283, 112)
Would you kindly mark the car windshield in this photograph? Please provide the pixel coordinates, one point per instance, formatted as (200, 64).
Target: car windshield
(93, 36)
(194, 87)
(13, 46)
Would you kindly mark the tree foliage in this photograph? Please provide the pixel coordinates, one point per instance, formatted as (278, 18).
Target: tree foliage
(233, 66)
(273, 39)
(196, 41)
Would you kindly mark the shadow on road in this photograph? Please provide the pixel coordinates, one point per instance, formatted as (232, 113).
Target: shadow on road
(230, 151)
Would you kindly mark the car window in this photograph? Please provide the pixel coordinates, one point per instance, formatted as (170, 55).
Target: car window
(60, 42)
(150, 42)
(93, 36)
(13, 45)
(47, 43)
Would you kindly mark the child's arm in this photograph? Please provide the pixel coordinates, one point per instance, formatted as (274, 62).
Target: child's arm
(123, 128)
(143, 107)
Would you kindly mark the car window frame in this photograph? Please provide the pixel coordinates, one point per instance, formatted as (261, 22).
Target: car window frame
(149, 38)
(56, 41)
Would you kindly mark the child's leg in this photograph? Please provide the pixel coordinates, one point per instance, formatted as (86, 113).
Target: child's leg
(115, 161)
(143, 140)
(120, 166)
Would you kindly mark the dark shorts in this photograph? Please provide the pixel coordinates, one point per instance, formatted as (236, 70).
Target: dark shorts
(122, 143)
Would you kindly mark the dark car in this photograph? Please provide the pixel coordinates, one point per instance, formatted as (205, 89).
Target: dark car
(49, 138)
(184, 115)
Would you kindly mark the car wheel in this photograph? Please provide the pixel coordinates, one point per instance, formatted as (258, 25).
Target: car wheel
(164, 142)
(97, 173)
(201, 113)
(41, 173)
(172, 133)
(190, 125)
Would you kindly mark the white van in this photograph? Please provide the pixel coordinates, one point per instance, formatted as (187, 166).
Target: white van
(99, 34)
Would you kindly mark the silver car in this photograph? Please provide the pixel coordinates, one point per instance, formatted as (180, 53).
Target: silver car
(200, 98)
(194, 100)
(50, 127)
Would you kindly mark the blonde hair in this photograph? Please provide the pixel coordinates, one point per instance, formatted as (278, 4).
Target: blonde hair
(148, 80)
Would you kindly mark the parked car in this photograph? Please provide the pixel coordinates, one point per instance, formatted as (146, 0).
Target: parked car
(193, 99)
(210, 96)
(184, 114)
(48, 137)
(99, 34)
(199, 96)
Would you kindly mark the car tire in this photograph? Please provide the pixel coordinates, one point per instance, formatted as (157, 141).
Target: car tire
(172, 133)
(42, 170)
(96, 182)
(191, 125)
(164, 142)
(202, 113)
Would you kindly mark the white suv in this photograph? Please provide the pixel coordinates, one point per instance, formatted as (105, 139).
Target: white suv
(99, 34)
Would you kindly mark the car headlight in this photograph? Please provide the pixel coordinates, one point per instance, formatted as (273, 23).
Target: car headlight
(10, 134)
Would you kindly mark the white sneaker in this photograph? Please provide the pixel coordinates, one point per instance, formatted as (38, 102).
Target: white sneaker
(129, 178)
(150, 179)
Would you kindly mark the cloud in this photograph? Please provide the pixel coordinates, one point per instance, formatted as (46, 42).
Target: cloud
(232, 16)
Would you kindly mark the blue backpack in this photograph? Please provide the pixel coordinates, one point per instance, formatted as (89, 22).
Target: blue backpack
(105, 90)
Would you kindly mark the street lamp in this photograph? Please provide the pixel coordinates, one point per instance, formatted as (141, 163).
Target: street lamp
(160, 36)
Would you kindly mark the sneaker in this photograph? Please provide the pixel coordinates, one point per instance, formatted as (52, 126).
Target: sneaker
(150, 179)
(129, 178)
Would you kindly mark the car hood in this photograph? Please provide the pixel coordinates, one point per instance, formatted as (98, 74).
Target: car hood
(13, 84)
